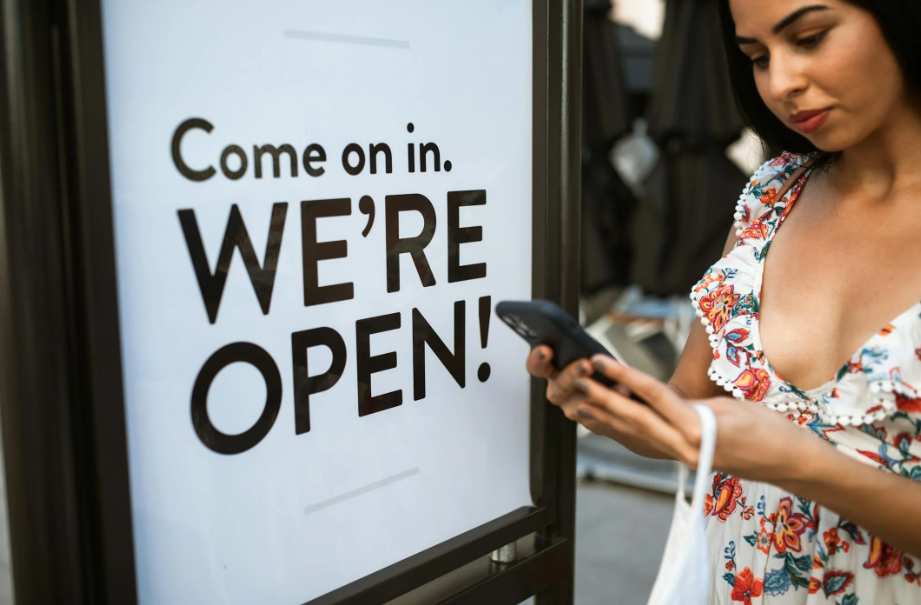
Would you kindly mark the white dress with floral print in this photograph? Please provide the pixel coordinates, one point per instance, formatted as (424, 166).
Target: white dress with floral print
(772, 547)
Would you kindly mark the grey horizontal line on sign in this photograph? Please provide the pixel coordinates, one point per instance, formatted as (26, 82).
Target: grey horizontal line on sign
(360, 491)
(345, 39)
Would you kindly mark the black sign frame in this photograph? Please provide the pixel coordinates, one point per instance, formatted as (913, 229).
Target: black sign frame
(65, 447)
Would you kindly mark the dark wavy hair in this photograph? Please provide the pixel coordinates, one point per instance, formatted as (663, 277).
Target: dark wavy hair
(899, 21)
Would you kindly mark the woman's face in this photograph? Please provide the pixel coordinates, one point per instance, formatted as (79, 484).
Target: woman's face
(822, 67)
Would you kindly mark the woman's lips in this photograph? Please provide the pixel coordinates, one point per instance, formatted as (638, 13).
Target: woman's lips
(810, 121)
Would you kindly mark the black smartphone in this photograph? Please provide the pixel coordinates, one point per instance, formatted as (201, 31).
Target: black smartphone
(540, 322)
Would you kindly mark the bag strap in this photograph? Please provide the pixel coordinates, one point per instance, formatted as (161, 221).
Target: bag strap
(704, 462)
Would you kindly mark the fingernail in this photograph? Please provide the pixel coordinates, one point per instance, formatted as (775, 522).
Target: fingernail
(582, 370)
(602, 364)
(580, 385)
(540, 355)
(586, 413)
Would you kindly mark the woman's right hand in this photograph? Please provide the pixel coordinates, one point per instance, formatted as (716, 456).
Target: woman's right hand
(562, 392)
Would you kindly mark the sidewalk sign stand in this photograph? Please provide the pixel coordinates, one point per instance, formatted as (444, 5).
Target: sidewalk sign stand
(62, 351)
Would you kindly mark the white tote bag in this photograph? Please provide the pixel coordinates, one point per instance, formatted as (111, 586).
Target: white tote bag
(684, 576)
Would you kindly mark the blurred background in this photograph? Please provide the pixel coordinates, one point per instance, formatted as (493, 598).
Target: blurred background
(665, 158)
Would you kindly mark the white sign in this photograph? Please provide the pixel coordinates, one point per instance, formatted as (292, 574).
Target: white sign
(316, 206)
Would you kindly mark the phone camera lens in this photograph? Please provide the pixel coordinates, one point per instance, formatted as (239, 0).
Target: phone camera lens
(525, 330)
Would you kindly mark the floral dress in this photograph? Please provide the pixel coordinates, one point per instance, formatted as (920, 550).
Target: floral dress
(772, 547)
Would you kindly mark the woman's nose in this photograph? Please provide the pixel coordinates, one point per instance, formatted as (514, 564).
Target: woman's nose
(787, 78)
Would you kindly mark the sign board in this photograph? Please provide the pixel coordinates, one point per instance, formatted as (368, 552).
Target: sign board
(316, 205)
(285, 225)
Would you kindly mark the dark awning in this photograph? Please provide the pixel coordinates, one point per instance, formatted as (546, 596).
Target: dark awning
(693, 99)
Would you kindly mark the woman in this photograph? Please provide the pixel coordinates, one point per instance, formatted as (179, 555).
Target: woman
(800, 510)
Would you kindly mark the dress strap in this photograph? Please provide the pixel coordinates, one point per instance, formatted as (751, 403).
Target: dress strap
(795, 177)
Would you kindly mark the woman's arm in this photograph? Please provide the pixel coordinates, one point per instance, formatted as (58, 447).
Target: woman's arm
(885, 504)
(754, 442)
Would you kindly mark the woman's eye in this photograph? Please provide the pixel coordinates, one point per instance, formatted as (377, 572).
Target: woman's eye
(810, 41)
(760, 62)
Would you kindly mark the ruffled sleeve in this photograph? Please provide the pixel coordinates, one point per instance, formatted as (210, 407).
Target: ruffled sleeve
(760, 194)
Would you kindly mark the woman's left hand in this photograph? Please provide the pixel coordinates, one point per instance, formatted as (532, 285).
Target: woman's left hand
(753, 442)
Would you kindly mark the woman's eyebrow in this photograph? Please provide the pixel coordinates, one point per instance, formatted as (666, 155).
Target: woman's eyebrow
(785, 22)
